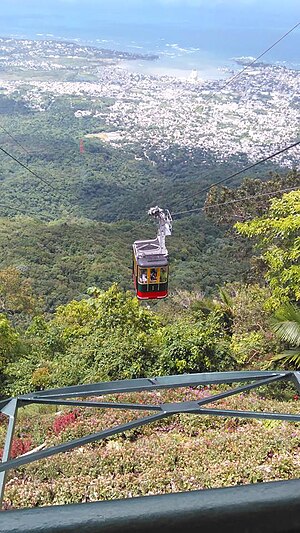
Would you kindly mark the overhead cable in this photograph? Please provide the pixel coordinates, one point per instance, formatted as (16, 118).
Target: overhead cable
(23, 211)
(252, 166)
(228, 82)
(28, 169)
(46, 182)
(15, 140)
(240, 200)
(223, 180)
(238, 74)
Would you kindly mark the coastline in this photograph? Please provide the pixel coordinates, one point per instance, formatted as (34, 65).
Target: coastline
(160, 57)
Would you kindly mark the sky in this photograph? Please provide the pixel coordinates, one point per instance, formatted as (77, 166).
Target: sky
(184, 3)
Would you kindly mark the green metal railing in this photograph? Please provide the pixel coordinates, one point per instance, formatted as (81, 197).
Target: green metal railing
(76, 396)
(261, 508)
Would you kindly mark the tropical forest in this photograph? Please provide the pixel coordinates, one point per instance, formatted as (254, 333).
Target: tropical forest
(71, 207)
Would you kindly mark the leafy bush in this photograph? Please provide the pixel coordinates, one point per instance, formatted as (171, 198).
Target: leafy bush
(250, 348)
(199, 346)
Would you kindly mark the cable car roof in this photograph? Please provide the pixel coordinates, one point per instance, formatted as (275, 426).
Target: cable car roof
(148, 253)
(152, 261)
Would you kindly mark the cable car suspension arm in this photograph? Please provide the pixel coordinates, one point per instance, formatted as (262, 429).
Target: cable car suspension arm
(164, 220)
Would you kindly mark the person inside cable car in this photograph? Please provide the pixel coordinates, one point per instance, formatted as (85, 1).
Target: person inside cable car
(153, 274)
(143, 276)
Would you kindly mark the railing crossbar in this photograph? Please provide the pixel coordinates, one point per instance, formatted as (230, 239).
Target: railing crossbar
(63, 396)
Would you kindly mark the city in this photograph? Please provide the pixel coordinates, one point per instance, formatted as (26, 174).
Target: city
(255, 115)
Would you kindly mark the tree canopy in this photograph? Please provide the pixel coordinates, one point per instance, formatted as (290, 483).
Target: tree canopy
(278, 236)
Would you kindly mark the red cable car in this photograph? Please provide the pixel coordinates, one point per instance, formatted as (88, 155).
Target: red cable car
(150, 260)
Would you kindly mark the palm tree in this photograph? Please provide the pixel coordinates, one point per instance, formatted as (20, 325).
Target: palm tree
(286, 324)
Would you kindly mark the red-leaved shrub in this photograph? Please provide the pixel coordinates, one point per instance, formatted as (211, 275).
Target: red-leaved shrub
(19, 447)
(63, 421)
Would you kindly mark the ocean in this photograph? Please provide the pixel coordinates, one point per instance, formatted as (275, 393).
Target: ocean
(203, 39)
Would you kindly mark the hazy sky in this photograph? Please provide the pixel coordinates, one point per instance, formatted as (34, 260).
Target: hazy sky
(271, 6)
(282, 5)
(235, 4)
(207, 3)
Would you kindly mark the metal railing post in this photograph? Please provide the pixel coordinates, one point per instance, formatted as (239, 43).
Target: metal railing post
(11, 411)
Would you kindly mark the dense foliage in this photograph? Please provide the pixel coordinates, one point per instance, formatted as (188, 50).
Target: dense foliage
(61, 259)
(63, 243)
(278, 234)
(110, 336)
(251, 199)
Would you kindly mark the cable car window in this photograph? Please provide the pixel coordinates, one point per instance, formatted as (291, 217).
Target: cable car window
(143, 275)
(153, 274)
(163, 275)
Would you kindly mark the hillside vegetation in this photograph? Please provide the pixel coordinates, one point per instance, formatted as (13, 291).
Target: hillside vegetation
(109, 335)
(69, 314)
(182, 453)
